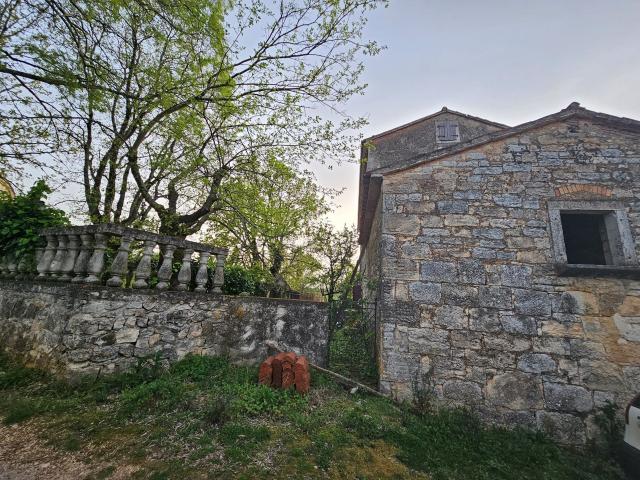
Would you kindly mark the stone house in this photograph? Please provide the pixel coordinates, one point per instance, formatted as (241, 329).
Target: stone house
(502, 264)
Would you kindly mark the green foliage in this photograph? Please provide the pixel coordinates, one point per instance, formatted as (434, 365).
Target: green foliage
(351, 352)
(23, 409)
(241, 439)
(258, 400)
(252, 280)
(611, 430)
(23, 217)
(178, 98)
(219, 422)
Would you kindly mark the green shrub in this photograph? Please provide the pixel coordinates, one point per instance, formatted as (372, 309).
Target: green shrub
(23, 217)
(200, 368)
(238, 279)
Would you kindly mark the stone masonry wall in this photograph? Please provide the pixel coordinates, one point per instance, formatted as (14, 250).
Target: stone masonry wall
(79, 330)
(396, 147)
(473, 311)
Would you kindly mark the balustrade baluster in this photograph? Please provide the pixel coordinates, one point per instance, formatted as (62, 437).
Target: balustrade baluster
(202, 276)
(96, 262)
(3, 266)
(73, 245)
(12, 266)
(49, 252)
(218, 277)
(82, 261)
(166, 269)
(184, 275)
(143, 272)
(22, 269)
(56, 265)
(120, 265)
(39, 254)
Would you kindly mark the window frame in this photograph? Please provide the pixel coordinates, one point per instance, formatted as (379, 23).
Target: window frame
(447, 126)
(619, 236)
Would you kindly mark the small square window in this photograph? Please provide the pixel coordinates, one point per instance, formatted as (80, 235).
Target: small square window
(447, 131)
(592, 236)
(585, 238)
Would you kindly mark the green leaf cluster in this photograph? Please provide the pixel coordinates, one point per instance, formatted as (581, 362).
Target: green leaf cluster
(23, 217)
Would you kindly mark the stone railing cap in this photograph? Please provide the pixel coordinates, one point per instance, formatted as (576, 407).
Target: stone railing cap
(119, 230)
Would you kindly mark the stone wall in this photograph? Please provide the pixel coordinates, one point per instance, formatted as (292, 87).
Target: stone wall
(81, 329)
(473, 311)
(419, 138)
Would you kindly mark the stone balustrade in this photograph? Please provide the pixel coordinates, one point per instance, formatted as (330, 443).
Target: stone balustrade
(77, 254)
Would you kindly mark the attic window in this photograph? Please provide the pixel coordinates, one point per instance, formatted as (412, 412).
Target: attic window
(447, 131)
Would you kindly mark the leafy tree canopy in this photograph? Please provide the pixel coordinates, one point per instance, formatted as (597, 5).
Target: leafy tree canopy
(158, 104)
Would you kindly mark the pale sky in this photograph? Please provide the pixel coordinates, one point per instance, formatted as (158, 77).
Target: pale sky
(509, 61)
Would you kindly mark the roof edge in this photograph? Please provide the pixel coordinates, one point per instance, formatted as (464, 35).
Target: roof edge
(573, 110)
(439, 112)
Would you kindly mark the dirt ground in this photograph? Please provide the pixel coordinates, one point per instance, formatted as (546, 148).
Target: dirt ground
(24, 456)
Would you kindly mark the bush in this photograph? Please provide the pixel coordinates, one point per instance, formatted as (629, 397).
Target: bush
(23, 217)
(238, 279)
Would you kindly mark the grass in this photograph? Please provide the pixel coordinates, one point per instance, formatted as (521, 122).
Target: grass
(204, 418)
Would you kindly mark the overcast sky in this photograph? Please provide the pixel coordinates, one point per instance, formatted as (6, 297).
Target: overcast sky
(510, 61)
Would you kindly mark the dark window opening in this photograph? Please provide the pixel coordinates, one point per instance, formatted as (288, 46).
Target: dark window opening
(585, 238)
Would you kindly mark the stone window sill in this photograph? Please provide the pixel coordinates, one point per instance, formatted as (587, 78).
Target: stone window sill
(583, 270)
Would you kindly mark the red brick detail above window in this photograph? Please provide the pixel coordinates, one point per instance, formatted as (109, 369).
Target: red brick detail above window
(581, 188)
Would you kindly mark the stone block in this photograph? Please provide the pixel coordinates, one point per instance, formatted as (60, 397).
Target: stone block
(450, 317)
(452, 206)
(425, 292)
(508, 200)
(427, 341)
(127, 335)
(511, 276)
(536, 363)
(515, 390)
(489, 233)
(484, 320)
(399, 367)
(531, 302)
(438, 271)
(483, 253)
(493, 359)
(506, 343)
(601, 375)
(495, 297)
(567, 398)
(466, 339)
(402, 224)
(471, 272)
(461, 220)
(629, 327)
(455, 294)
(558, 346)
(563, 427)
(467, 393)
(518, 324)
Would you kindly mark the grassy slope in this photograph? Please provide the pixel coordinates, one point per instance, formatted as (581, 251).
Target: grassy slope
(206, 419)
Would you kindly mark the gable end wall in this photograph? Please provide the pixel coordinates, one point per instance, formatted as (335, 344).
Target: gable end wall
(472, 311)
